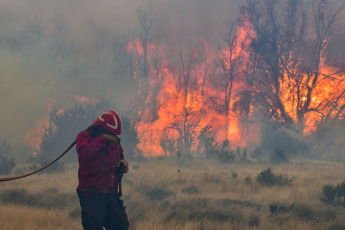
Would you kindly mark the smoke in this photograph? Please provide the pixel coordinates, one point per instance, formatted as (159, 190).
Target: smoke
(52, 53)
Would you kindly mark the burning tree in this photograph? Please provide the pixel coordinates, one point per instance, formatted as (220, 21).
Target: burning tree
(291, 88)
(228, 69)
(273, 47)
(271, 67)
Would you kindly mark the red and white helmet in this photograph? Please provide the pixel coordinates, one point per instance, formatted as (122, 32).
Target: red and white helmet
(110, 121)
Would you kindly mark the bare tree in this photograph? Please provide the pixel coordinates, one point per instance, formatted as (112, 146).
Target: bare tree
(229, 66)
(188, 121)
(146, 19)
(276, 46)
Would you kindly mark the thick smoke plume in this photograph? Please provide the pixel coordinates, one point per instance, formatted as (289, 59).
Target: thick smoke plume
(57, 54)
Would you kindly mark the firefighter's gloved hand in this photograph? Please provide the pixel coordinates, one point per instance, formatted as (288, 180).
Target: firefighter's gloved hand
(123, 166)
(112, 138)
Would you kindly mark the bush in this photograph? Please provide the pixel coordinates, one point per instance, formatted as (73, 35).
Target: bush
(267, 177)
(328, 194)
(340, 192)
(75, 213)
(303, 212)
(277, 207)
(254, 221)
(225, 154)
(190, 190)
(234, 175)
(63, 130)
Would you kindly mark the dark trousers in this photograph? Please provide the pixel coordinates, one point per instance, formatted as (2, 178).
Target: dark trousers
(100, 210)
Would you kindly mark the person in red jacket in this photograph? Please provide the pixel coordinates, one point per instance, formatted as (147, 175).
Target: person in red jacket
(101, 166)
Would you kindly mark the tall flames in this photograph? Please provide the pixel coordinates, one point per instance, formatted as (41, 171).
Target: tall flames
(178, 108)
(206, 94)
(180, 99)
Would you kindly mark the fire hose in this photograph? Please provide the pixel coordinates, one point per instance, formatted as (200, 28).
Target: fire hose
(40, 169)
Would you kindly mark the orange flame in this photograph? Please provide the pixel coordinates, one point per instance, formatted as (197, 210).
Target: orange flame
(182, 114)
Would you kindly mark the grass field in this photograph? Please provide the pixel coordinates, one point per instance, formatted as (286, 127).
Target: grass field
(186, 194)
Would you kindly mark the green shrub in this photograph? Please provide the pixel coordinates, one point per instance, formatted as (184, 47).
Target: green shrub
(190, 190)
(234, 174)
(331, 193)
(267, 177)
(328, 194)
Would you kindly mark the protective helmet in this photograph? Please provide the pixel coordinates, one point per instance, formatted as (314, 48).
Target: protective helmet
(110, 121)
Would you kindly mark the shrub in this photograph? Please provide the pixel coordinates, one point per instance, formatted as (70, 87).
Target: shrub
(340, 192)
(190, 190)
(225, 154)
(328, 194)
(63, 129)
(75, 213)
(277, 207)
(234, 174)
(254, 221)
(303, 212)
(267, 177)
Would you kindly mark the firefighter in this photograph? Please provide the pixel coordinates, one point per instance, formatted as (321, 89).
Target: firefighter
(101, 166)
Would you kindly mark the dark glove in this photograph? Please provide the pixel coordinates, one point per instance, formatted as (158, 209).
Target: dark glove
(123, 166)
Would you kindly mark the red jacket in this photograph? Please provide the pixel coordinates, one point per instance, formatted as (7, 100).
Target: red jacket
(96, 157)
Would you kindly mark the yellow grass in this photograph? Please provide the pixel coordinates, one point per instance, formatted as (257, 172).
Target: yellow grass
(214, 182)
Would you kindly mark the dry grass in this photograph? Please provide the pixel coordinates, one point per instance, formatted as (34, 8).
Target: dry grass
(155, 199)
